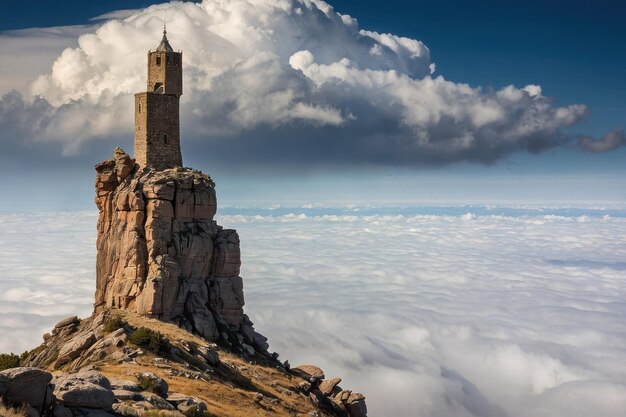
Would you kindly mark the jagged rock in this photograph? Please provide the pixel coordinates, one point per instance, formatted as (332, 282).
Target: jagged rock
(352, 402)
(75, 347)
(309, 371)
(26, 385)
(86, 389)
(124, 165)
(327, 386)
(184, 402)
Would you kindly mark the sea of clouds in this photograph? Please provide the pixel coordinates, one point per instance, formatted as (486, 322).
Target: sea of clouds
(430, 311)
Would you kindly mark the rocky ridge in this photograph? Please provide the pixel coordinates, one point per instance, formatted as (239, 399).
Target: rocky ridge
(168, 334)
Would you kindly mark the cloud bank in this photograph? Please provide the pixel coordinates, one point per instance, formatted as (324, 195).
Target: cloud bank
(491, 312)
(283, 81)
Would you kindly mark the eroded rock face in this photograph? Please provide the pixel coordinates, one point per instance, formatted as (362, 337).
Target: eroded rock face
(160, 253)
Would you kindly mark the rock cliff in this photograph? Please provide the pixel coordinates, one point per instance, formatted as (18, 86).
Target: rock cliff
(168, 336)
(161, 254)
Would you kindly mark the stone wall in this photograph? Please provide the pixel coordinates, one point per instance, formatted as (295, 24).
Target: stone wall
(169, 73)
(157, 131)
(160, 253)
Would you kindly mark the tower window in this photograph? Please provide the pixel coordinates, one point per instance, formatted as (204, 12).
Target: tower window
(165, 138)
(158, 60)
(167, 59)
(139, 110)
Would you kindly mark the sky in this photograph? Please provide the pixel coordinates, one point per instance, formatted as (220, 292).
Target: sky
(430, 196)
(485, 101)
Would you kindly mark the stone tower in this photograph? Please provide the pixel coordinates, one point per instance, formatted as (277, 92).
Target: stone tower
(157, 120)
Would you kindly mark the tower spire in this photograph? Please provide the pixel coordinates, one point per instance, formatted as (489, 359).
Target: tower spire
(165, 44)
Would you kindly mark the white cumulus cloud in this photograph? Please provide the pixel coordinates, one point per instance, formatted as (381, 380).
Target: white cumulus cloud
(310, 75)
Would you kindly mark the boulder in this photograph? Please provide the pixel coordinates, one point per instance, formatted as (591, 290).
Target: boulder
(124, 395)
(66, 322)
(72, 349)
(309, 371)
(209, 355)
(184, 402)
(158, 402)
(3, 389)
(29, 411)
(352, 402)
(89, 412)
(61, 411)
(26, 385)
(123, 384)
(327, 386)
(87, 389)
(85, 375)
(125, 410)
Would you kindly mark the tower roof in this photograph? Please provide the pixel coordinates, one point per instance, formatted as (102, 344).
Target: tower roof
(165, 46)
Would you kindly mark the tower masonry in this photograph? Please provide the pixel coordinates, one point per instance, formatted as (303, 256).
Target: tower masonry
(157, 111)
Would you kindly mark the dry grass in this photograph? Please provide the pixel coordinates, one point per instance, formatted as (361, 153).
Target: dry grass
(224, 396)
(12, 412)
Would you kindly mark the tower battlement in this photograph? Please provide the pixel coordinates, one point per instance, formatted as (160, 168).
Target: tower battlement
(157, 110)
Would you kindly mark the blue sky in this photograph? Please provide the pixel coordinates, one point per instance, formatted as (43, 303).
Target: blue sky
(572, 49)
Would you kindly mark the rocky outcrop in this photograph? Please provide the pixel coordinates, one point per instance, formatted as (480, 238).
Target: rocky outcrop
(160, 253)
(27, 385)
(327, 395)
(168, 313)
(86, 389)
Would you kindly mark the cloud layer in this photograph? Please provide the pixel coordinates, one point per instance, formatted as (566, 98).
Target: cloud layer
(490, 312)
(285, 80)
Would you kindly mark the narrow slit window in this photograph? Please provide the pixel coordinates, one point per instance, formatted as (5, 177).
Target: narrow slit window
(139, 110)
(158, 60)
(165, 138)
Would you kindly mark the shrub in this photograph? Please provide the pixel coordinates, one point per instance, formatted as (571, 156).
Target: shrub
(196, 412)
(113, 324)
(149, 339)
(150, 384)
(9, 360)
